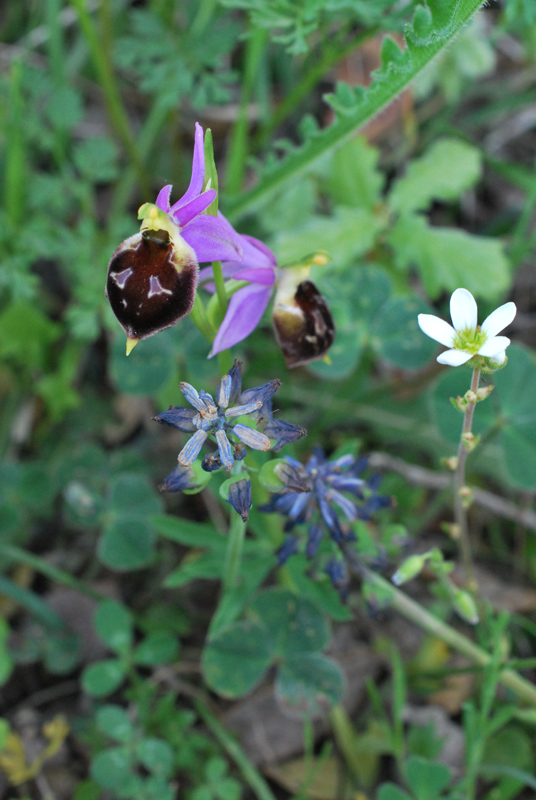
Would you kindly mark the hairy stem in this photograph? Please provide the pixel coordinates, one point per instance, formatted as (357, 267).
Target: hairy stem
(413, 611)
(460, 513)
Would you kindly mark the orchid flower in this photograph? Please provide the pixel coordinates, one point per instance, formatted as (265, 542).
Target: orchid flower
(302, 320)
(468, 339)
(152, 276)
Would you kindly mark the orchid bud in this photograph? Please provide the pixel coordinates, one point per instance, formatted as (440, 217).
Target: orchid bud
(303, 324)
(152, 277)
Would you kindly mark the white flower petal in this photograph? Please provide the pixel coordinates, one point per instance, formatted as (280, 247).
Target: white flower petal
(500, 358)
(454, 358)
(499, 319)
(494, 346)
(436, 328)
(463, 310)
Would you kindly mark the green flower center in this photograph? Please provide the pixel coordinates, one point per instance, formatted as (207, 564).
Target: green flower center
(469, 340)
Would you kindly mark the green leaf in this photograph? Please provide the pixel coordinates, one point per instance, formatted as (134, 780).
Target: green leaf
(310, 684)
(320, 592)
(515, 388)
(294, 624)
(235, 660)
(133, 494)
(427, 778)
(147, 369)
(355, 299)
(398, 336)
(62, 652)
(112, 768)
(354, 179)
(188, 532)
(156, 756)
(26, 335)
(157, 648)
(115, 722)
(114, 624)
(6, 662)
(423, 43)
(447, 259)
(195, 566)
(447, 169)
(103, 677)
(96, 159)
(346, 235)
(127, 542)
(389, 791)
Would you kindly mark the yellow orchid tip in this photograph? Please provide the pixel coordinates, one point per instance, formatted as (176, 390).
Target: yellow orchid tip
(131, 344)
(327, 360)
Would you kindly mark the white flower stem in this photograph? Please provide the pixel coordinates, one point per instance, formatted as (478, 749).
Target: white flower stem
(460, 513)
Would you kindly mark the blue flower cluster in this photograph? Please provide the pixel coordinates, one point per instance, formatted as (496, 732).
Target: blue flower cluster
(217, 419)
(316, 494)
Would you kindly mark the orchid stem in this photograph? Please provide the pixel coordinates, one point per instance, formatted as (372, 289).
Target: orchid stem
(198, 315)
(460, 512)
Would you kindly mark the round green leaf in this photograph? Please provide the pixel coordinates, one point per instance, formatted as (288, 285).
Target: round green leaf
(133, 494)
(427, 778)
(235, 660)
(398, 336)
(157, 648)
(103, 677)
(112, 768)
(127, 543)
(115, 722)
(156, 756)
(114, 624)
(62, 651)
(294, 624)
(309, 684)
(148, 367)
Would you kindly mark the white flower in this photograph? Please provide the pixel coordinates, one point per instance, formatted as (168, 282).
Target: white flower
(467, 339)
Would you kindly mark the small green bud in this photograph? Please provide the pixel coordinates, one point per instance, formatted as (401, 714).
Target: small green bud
(470, 396)
(465, 605)
(409, 569)
(451, 463)
(466, 493)
(469, 441)
(484, 392)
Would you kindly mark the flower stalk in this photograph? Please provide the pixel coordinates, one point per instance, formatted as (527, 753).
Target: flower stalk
(460, 505)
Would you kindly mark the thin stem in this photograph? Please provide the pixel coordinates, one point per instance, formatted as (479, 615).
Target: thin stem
(198, 315)
(460, 514)
(20, 556)
(233, 554)
(250, 774)
(451, 637)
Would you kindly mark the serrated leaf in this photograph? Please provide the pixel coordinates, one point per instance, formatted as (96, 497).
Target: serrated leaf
(448, 258)
(447, 169)
(354, 179)
(346, 235)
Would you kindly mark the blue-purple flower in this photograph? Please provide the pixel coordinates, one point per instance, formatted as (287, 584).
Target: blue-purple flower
(218, 419)
(325, 496)
(152, 276)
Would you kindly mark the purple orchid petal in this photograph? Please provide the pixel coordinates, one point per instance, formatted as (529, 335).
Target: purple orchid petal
(211, 240)
(182, 213)
(198, 168)
(262, 275)
(256, 245)
(245, 310)
(162, 201)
